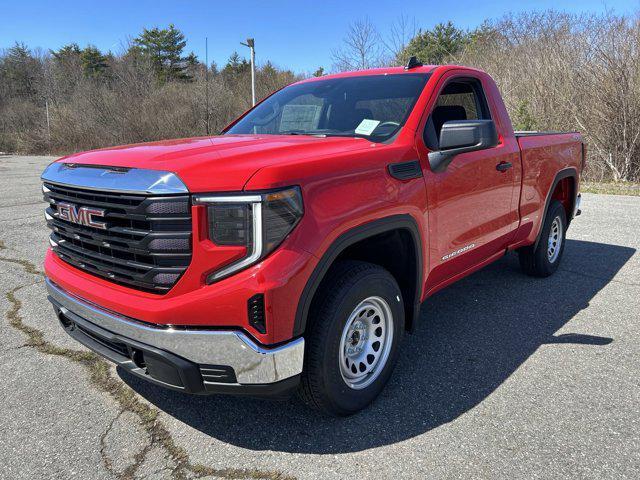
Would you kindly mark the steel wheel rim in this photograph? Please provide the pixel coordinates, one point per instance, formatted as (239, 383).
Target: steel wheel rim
(365, 342)
(555, 240)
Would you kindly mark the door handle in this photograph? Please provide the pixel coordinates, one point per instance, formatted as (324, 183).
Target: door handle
(503, 166)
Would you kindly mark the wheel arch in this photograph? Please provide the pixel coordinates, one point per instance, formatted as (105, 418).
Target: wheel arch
(569, 175)
(387, 225)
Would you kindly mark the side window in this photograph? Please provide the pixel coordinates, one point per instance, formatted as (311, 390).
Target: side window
(459, 100)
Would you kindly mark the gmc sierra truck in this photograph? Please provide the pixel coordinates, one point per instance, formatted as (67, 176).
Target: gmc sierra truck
(292, 251)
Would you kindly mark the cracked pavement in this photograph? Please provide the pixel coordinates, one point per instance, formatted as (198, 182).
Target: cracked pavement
(506, 377)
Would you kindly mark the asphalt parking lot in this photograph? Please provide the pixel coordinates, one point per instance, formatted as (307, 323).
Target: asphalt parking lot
(506, 377)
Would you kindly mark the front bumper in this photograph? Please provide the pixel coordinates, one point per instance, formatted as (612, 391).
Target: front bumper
(189, 360)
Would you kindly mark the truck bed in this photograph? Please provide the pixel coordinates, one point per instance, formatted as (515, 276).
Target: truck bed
(546, 156)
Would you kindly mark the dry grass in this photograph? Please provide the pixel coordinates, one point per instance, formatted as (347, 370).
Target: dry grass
(611, 188)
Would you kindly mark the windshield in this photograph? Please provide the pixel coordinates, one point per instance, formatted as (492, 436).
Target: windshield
(372, 106)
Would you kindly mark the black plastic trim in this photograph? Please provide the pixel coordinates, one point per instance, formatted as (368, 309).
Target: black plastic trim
(256, 313)
(561, 175)
(189, 375)
(186, 373)
(356, 234)
(405, 170)
(462, 136)
(277, 390)
(413, 63)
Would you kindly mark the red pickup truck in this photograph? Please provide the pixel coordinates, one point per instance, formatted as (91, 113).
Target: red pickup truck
(293, 251)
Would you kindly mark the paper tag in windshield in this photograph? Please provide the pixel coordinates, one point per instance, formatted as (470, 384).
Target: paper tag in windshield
(367, 126)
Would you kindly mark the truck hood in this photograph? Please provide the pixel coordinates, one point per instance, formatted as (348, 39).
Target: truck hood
(221, 163)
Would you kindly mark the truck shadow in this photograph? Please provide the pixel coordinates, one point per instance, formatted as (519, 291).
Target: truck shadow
(472, 337)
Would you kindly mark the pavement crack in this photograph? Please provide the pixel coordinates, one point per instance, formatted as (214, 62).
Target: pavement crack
(156, 472)
(108, 464)
(19, 347)
(102, 379)
(138, 460)
(26, 265)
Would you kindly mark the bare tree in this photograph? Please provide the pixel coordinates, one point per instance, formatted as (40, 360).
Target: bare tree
(555, 70)
(128, 103)
(571, 72)
(402, 30)
(361, 48)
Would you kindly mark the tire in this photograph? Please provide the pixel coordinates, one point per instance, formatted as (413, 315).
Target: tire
(544, 259)
(342, 328)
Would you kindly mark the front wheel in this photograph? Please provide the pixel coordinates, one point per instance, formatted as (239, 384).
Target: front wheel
(544, 259)
(355, 327)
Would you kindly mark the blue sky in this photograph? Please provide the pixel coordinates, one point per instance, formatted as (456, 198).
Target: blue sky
(295, 34)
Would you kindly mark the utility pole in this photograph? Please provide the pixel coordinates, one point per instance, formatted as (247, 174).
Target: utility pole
(46, 107)
(206, 79)
(251, 44)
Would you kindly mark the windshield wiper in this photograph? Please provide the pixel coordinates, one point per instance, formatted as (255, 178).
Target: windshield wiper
(300, 132)
(348, 135)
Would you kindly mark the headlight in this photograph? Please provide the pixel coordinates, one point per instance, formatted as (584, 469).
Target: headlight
(259, 222)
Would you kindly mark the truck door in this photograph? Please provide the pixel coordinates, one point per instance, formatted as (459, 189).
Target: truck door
(471, 215)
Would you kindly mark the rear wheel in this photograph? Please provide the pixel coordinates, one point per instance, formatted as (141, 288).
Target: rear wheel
(355, 327)
(544, 259)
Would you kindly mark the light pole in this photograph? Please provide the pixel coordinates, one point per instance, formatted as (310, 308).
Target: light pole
(46, 107)
(250, 43)
(206, 81)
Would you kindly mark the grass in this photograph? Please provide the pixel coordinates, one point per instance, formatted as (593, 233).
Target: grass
(611, 188)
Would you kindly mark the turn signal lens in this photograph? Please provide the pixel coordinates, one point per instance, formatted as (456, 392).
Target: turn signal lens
(281, 212)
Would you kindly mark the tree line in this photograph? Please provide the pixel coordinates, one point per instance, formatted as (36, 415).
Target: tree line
(556, 71)
(75, 98)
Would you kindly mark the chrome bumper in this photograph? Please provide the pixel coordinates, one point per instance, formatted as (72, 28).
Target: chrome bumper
(252, 364)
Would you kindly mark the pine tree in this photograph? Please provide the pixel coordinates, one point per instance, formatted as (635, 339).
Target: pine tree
(436, 45)
(192, 65)
(163, 48)
(94, 63)
(523, 118)
(236, 65)
(66, 53)
(18, 71)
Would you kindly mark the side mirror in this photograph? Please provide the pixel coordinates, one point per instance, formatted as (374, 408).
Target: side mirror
(461, 136)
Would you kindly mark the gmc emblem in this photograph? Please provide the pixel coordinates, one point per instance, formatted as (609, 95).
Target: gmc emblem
(82, 216)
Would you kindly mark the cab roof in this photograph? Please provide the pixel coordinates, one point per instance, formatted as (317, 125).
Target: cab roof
(375, 71)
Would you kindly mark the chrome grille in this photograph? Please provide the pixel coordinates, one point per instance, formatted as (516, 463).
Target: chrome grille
(146, 244)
